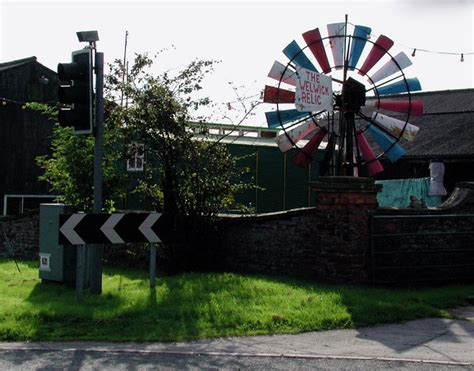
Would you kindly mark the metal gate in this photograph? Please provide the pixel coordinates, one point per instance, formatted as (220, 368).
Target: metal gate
(421, 248)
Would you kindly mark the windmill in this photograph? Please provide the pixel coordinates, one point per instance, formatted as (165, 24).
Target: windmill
(349, 101)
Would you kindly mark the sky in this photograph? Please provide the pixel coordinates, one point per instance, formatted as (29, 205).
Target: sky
(246, 36)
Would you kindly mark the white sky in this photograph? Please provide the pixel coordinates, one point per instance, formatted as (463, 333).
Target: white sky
(247, 35)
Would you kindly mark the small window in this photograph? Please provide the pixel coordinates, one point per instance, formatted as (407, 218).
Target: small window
(136, 157)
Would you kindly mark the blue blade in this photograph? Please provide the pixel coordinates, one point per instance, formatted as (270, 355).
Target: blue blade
(384, 141)
(400, 87)
(358, 44)
(294, 53)
(273, 120)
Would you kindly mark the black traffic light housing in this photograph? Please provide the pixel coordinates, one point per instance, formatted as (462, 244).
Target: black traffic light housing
(76, 92)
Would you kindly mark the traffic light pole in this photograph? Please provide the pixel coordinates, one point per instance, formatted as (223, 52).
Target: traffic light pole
(96, 251)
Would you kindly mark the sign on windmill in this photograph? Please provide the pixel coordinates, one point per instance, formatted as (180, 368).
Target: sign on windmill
(313, 91)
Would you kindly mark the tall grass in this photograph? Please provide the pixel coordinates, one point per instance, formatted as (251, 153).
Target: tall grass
(199, 305)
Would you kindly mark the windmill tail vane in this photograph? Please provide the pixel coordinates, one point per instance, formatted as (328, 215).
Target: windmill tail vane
(344, 92)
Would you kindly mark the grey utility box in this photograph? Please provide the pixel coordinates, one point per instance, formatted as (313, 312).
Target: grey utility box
(57, 262)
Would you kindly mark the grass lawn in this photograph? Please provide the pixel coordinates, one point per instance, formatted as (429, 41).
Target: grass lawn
(199, 305)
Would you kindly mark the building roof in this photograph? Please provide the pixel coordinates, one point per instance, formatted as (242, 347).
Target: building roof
(446, 127)
(244, 135)
(27, 80)
(19, 62)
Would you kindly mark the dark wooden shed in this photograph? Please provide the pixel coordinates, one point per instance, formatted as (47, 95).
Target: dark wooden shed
(24, 134)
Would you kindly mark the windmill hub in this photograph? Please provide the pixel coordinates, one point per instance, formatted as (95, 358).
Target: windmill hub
(353, 95)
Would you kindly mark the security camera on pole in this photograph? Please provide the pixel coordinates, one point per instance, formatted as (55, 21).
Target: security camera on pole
(86, 115)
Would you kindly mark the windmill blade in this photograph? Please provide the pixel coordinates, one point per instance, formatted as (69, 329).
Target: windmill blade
(281, 73)
(391, 67)
(381, 46)
(295, 134)
(336, 32)
(324, 165)
(392, 149)
(396, 126)
(372, 164)
(414, 107)
(275, 95)
(412, 84)
(277, 118)
(296, 54)
(304, 157)
(315, 44)
(360, 36)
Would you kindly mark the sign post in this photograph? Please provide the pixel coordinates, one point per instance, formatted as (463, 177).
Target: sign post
(98, 229)
(80, 271)
(152, 265)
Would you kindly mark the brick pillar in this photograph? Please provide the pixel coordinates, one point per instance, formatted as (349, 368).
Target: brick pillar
(347, 202)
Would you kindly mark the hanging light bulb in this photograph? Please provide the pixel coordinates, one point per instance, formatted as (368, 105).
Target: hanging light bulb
(414, 51)
(462, 57)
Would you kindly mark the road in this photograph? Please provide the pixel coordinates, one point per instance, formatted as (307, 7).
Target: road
(91, 360)
(428, 344)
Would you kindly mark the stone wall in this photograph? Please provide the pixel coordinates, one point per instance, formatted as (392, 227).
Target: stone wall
(328, 242)
(333, 241)
(19, 235)
(19, 238)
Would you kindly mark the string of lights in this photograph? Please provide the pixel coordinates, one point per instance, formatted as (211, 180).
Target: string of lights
(24, 105)
(5, 101)
(415, 50)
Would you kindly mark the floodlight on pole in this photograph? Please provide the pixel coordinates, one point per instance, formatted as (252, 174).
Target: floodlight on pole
(88, 36)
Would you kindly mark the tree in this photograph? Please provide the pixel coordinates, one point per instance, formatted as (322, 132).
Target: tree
(69, 170)
(196, 178)
(189, 180)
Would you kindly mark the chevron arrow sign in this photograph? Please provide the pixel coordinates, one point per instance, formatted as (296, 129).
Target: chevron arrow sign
(81, 229)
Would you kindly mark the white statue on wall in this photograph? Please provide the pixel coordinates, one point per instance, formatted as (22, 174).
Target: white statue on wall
(436, 179)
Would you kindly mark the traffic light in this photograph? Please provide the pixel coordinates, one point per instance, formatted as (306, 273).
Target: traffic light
(76, 92)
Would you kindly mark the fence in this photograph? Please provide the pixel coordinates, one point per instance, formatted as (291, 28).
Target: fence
(422, 248)
(24, 203)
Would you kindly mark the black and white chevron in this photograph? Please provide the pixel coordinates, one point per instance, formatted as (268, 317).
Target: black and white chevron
(81, 229)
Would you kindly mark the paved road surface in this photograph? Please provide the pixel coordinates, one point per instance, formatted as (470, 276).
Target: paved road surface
(428, 344)
(89, 360)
